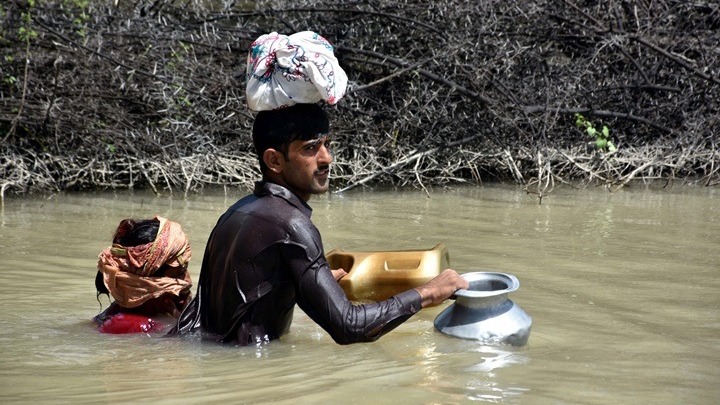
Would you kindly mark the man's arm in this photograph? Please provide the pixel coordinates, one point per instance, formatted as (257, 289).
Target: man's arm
(320, 296)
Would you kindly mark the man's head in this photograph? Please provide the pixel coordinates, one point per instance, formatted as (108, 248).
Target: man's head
(292, 147)
(276, 129)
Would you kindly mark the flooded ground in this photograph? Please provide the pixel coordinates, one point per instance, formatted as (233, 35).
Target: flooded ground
(623, 289)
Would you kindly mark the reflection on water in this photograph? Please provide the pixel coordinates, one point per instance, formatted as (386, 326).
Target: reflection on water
(622, 289)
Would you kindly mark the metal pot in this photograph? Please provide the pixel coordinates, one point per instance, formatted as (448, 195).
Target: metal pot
(484, 311)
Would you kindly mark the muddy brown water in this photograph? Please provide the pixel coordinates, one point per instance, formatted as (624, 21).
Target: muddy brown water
(623, 289)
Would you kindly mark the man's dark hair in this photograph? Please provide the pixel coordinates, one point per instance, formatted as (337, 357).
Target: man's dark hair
(276, 129)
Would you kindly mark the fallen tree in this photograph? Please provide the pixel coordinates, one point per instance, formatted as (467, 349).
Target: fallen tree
(150, 95)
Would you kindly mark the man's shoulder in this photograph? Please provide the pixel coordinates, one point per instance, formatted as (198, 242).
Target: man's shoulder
(270, 208)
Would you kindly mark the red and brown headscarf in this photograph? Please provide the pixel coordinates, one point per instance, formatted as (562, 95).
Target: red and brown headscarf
(128, 271)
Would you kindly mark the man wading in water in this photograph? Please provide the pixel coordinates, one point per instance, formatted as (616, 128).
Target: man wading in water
(264, 254)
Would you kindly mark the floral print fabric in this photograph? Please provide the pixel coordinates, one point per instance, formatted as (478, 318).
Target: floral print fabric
(286, 70)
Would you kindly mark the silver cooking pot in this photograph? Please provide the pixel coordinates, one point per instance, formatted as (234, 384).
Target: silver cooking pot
(484, 312)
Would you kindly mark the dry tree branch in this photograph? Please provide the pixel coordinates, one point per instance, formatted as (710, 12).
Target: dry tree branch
(24, 93)
(632, 175)
(517, 174)
(391, 168)
(585, 169)
(168, 81)
(390, 76)
(512, 71)
(544, 172)
(389, 16)
(674, 59)
(599, 113)
(600, 27)
(432, 76)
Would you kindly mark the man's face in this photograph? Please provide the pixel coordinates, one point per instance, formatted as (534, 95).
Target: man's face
(307, 167)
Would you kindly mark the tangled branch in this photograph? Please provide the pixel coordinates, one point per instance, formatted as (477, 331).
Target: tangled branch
(150, 94)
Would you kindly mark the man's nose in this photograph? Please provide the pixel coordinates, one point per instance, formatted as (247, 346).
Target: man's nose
(324, 155)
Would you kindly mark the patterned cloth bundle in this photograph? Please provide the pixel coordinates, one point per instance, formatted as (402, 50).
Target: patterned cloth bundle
(287, 70)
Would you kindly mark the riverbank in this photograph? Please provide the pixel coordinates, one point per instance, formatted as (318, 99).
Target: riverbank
(150, 96)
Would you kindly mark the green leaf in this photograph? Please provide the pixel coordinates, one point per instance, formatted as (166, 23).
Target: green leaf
(605, 131)
(601, 143)
(611, 147)
(591, 131)
(579, 120)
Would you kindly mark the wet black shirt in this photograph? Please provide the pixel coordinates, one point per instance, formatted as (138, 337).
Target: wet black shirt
(264, 256)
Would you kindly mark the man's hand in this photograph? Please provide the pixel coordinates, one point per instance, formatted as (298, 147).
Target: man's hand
(338, 274)
(442, 287)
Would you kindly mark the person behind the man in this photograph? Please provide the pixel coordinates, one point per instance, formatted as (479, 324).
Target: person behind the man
(145, 272)
(264, 255)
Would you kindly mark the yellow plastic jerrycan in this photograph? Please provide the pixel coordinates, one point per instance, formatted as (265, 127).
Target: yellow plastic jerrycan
(378, 275)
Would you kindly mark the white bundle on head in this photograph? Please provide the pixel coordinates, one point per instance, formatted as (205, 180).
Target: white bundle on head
(286, 70)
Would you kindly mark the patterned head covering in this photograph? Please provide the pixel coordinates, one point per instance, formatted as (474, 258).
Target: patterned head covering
(127, 271)
(286, 70)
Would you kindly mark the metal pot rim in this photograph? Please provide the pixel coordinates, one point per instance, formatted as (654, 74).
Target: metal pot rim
(508, 279)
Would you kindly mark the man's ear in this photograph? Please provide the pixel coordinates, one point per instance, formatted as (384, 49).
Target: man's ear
(274, 160)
